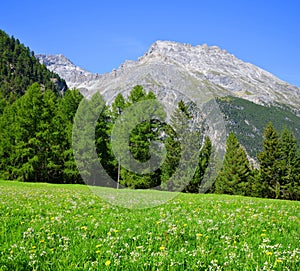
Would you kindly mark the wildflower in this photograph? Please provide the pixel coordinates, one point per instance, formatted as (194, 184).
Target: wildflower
(263, 234)
(84, 228)
(109, 233)
(279, 261)
(33, 247)
(107, 263)
(269, 253)
(184, 225)
(199, 234)
(162, 248)
(42, 241)
(98, 251)
(115, 231)
(99, 245)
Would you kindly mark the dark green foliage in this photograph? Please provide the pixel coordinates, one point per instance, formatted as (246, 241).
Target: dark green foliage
(290, 157)
(279, 164)
(204, 159)
(182, 145)
(270, 163)
(19, 69)
(234, 177)
(247, 120)
(140, 140)
(36, 137)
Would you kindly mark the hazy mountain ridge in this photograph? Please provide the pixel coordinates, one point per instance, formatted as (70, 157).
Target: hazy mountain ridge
(219, 72)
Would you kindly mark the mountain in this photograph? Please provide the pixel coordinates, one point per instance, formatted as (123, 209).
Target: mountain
(251, 96)
(219, 72)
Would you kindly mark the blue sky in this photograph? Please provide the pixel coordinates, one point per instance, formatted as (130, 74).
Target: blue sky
(101, 35)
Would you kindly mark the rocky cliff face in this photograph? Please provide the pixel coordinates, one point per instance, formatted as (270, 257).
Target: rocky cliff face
(73, 75)
(211, 68)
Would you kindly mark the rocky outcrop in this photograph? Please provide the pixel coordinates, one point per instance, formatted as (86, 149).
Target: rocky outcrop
(72, 74)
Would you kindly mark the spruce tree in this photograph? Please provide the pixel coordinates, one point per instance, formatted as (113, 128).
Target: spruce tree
(204, 159)
(290, 164)
(270, 163)
(234, 177)
(182, 145)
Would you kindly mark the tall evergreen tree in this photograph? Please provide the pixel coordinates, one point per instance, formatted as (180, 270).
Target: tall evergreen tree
(204, 159)
(270, 163)
(140, 140)
(235, 175)
(182, 146)
(65, 167)
(290, 161)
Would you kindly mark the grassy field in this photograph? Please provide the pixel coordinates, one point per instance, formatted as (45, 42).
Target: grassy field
(67, 227)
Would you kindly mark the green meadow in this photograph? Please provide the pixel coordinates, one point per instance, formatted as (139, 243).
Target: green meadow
(69, 227)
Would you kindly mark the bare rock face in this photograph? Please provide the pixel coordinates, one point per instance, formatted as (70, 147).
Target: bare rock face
(213, 69)
(61, 65)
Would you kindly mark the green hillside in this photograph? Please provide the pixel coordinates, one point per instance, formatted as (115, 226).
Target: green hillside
(248, 120)
(19, 69)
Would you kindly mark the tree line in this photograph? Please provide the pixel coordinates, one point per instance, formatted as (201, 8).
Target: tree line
(36, 145)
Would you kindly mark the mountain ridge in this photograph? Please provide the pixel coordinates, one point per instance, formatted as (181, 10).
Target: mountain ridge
(221, 72)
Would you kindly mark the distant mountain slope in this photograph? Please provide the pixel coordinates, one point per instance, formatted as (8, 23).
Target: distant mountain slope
(248, 120)
(19, 69)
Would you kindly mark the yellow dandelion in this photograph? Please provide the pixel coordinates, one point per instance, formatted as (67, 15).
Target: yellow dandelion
(109, 233)
(263, 234)
(184, 225)
(161, 248)
(99, 245)
(22, 222)
(264, 230)
(98, 251)
(107, 263)
(115, 231)
(33, 247)
(269, 253)
(158, 222)
(42, 241)
(279, 261)
(199, 234)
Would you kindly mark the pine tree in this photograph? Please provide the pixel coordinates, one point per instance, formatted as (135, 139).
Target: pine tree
(204, 159)
(182, 146)
(235, 175)
(270, 163)
(139, 158)
(64, 163)
(290, 161)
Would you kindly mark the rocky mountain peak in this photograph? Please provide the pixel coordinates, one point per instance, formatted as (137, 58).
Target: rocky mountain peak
(213, 68)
